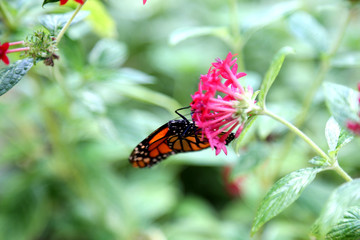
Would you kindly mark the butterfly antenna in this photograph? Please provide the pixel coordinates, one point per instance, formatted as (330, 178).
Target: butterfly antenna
(182, 116)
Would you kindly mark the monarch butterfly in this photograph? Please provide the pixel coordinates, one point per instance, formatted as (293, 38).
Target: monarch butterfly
(173, 137)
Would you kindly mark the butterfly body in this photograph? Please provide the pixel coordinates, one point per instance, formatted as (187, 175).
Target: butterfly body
(176, 136)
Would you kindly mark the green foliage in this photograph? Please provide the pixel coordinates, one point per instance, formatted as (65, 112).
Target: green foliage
(341, 200)
(348, 227)
(335, 136)
(283, 193)
(342, 103)
(186, 33)
(272, 73)
(308, 29)
(55, 22)
(66, 132)
(13, 74)
(49, 1)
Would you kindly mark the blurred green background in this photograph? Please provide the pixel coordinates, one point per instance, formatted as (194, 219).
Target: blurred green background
(67, 131)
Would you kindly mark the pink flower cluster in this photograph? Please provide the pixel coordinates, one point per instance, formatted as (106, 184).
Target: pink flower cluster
(221, 104)
(355, 126)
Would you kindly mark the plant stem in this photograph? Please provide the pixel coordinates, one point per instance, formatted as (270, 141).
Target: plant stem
(67, 25)
(296, 131)
(334, 164)
(341, 172)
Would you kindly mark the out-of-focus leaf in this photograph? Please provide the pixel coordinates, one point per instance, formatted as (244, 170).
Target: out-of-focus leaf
(342, 102)
(268, 15)
(11, 75)
(111, 92)
(346, 60)
(157, 190)
(24, 208)
(272, 73)
(308, 29)
(283, 193)
(348, 228)
(250, 157)
(92, 101)
(108, 53)
(344, 197)
(55, 22)
(183, 34)
(100, 19)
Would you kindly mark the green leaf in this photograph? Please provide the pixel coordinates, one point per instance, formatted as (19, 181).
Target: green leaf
(272, 73)
(49, 1)
(344, 197)
(13, 74)
(283, 193)
(108, 53)
(342, 102)
(183, 34)
(332, 133)
(319, 161)
(308, 29)
(336, 137)
(348, 227)
(267, 16)
(344, 138)
(55, 22)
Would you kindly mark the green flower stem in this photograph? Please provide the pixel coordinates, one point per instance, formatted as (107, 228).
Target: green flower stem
(341, 172)
(67, 25)
(296, 131)
(334, 164)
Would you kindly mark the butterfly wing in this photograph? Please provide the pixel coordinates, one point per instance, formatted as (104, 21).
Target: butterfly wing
(193, 141)
(152, 149)
(188, 142)
(173, 137)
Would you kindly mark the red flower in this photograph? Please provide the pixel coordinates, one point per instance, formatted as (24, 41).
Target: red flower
(62, 2)
(144, 1)
(234, 186)
(217, 114)
(3, 50)
(355, 126)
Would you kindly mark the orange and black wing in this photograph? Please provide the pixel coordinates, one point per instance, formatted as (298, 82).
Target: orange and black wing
(152, 149)
(188, 142)
(193, 141)
(173, 137)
